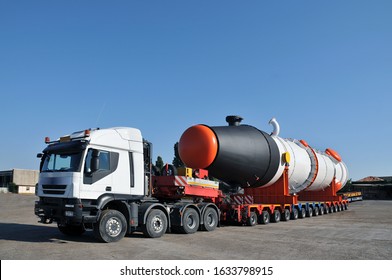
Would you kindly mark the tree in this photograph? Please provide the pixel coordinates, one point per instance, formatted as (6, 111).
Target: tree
(159, 163)
(177, 162)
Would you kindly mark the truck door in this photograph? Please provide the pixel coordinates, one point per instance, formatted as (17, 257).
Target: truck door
(97, 175)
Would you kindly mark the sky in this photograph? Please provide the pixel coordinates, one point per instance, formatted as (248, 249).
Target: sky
(323, 69)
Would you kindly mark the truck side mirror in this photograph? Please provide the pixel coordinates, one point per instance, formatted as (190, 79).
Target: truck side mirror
(94, 161)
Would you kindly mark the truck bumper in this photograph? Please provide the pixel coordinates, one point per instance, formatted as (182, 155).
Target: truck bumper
(60, 210)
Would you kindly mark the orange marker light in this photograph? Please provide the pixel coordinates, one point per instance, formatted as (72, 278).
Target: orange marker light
(198, 147)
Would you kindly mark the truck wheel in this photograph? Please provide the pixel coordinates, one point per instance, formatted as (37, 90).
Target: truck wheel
(302, 213)
(275, 218)
(190, 221)
(309, 212)
(210, 219)
(252, 220)
(156, 224)
(286, 215)
(294, 214)
(111, 226)
(264, 218)
(71, 230)
(321, 210)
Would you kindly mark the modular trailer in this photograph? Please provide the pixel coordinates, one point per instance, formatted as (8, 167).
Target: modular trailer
(103, 180)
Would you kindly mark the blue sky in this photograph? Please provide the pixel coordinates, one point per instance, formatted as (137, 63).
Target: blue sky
(322, 68)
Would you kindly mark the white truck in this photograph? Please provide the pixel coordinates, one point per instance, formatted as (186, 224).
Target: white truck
(101, 180)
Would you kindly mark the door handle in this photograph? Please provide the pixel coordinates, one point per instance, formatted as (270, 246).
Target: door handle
(108, 189)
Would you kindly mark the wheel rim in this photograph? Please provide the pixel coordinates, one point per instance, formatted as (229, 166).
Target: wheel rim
(113, 227)
(210, 220)
(190, 221)
(157, 224)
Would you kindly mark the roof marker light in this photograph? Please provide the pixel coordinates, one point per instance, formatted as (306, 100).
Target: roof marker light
(47, 140)
(87, 133)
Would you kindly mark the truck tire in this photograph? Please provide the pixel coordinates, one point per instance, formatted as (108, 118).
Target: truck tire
(286, 215)
(111, 226)
(210, 219)
(71, 230)
(316, 211)
(275, 218)
(156, 224)
(302, 213)
(190, 221)
(264, 218)
(252, 219)
(309, 212)
(294, 214)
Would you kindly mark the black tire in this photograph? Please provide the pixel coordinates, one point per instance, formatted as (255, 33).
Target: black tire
(326, 210)
(210, 219)
(302, 213)
(345, 206)
(156, 224)
(169, 170)
(264, 218)
(275, 218)
(252, 219)
(309, 212)
(71, 230)
(190, 221)
(111, 226)
(316, 211)
(286, 215)
(294, 214)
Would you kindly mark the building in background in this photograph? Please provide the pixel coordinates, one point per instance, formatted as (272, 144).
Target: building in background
(374, 187)
(19, 180)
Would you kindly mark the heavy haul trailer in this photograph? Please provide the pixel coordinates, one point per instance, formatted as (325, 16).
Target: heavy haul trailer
(102, 180)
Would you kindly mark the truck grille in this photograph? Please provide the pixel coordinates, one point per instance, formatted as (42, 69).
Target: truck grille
(54, 189)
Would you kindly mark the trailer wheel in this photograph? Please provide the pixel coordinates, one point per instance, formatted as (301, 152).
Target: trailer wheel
(345, 206)
(321, 210)
(294, 214)
(302, 213)
(190, 221)
(210, 219)
(71, 230)
(264, 218)
(111, 226)
(309, 212)
(275, 216)
(252, 220)
(156, 224)
(316, 211)
(326, 210)
(286, 215)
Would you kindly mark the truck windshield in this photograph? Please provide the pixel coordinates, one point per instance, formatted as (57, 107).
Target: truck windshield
(64, 162)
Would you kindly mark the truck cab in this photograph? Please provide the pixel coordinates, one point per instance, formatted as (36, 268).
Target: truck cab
(82, 173)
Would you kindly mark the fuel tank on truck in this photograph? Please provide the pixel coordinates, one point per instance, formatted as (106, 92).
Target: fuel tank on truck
(244, 156)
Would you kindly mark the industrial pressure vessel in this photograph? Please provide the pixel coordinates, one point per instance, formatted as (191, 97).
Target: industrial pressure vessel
(242, 155)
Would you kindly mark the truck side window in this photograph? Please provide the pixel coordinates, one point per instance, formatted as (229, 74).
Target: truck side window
(99, 164)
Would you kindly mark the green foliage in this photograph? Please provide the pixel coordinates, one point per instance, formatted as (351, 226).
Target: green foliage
(177, 162)
(159, 163)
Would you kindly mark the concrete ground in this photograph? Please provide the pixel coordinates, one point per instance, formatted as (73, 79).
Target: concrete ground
(364, 232)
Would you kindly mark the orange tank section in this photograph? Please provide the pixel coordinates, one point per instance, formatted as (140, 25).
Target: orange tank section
(198, 146)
